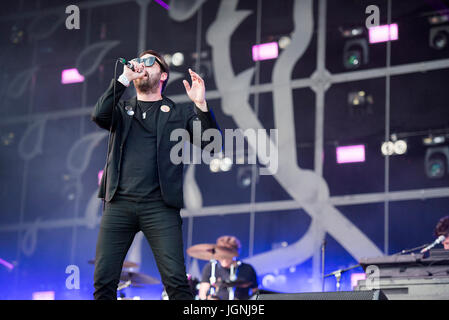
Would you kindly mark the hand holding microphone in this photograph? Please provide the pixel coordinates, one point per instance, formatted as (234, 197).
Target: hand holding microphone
(133, 70)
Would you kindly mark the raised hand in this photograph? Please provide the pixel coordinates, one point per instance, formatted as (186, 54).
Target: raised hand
(196, 92)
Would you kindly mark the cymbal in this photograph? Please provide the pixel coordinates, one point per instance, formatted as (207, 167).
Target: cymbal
(137, 278)
(236, 283)
(126, 264)
(208, 251)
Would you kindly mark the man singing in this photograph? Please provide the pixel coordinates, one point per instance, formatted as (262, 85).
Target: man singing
(141, 187)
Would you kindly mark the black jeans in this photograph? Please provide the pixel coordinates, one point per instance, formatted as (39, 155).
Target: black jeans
(161, 226)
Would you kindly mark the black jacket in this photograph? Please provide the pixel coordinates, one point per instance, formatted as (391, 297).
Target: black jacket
(170, 175)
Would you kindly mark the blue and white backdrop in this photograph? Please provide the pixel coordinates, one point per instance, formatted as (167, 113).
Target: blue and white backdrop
(51, 153)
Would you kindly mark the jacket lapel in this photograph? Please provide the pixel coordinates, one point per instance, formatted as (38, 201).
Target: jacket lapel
(129, 105)
(163, 118)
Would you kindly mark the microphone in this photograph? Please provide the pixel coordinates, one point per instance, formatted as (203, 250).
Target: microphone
(126, 63)
(437, 241)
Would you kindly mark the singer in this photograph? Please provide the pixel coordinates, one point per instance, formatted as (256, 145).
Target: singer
(141, 188)
(442, 229)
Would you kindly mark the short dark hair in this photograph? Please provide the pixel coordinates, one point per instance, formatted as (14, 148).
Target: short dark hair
(160, 59)
(442, 227)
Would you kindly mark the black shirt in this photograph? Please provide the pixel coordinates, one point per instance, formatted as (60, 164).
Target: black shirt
(139, 178)
(245, 272)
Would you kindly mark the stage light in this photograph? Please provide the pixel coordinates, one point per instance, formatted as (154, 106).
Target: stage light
(245, 176)
(395, 147)
(387, 148)
(284, 41)
(177, 59)
(265, 51)
(203, 62)
(351, 32)
(225, 164)
(17, 34)
(8, 265)
(245, 180)
(220, 164)
(44, 295)
(355, 53)
(167, 58)
(439, 37)
(427, 141)
(71, 76)
(7, 139)
(356, 277)
(384, 33)
(359, 103)
(435, 167)
(353, 59)
(100, 175)
(436, 162)
(400, 147)
(214, 165)
(438, 19)
(350, 154)
(359, 99)
(439, 139)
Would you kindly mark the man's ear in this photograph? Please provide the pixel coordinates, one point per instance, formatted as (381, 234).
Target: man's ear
(164, 76)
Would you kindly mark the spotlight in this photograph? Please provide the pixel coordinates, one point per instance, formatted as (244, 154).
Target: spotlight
(284, 41)
(225, 164)
(245, 176)
(438, 38)
(353, 59)
(387, 148)
(177, 59)
(349, 154)
(71, 76)
(438, 19)
(360, 103)
(265, 51)
(389, 32)
(400, 147)
(220, 164)
(359, 98)
(17, 34)
(351, 32)
(355, 53)
(99, 176)
(168, 58)
(436, 162)
(7, 138)
(434, 140)
(204, 64)
(214, 165)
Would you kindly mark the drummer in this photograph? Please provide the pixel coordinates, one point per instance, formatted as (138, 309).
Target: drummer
(244, 272)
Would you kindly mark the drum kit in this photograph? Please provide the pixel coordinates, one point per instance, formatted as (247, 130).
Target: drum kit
(209, 252)
(213, 253)
(131, 278)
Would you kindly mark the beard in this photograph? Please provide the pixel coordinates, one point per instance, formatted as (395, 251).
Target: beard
(148, 84)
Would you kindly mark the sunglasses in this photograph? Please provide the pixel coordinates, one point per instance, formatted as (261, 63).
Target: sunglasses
(148, 62)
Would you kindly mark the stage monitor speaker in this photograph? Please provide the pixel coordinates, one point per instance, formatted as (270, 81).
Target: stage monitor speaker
(342, 295)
